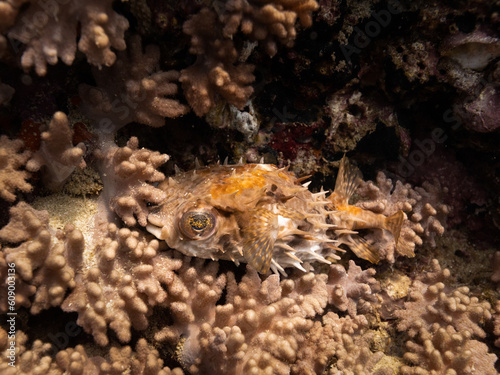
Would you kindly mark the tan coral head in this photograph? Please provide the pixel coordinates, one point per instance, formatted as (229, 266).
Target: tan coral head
(253, 213)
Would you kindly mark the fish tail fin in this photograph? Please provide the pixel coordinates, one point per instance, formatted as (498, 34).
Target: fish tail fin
(259, 238)
(394, 223)
(347, 182)
(406, 248)
(364, 250)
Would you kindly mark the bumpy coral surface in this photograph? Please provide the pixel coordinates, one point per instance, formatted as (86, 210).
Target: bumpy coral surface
(12, 161)
(421, 205)
(50, 29)
(57, 155)
(215, 71)
(142, 90)
(442, 323)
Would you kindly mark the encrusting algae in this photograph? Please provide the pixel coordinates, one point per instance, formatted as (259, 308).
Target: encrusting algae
(262, 215)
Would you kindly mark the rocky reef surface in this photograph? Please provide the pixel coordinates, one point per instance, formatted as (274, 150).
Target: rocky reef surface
(102, 100)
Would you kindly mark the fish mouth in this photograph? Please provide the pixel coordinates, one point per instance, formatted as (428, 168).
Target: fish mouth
(155, 220)
(155, 227)
(155, 231)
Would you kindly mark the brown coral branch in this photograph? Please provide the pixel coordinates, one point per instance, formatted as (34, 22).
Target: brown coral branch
(79, 360)
(129, 172)
(118, 288)
(50, 33)
(215, 71)
(422, 205)
(12, 177)
(41, 261)
(57, 157)
(134, 89)
(267, 21)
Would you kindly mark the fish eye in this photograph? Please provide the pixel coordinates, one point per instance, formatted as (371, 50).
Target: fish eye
(197, 224)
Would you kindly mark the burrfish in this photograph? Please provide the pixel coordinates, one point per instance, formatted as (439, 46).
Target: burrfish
(258, 214)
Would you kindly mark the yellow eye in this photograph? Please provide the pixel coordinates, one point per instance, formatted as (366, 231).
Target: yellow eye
(197, 225)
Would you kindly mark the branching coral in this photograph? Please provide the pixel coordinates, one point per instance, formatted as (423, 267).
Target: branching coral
(128, 172)
(353, 290)
(78, 360)
(215, 71)
(434, 302)
(343, 341)
(441, 322)
(259, 328)
(50, 31)
(262, 325)
(134, 89)
(267, 20)
(496, 322)
(444, 350)
(117, 287)
(422, 205)
(12, 176)
(57, 155)
(44, 264)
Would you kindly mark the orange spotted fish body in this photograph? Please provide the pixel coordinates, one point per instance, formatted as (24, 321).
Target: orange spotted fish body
(262, 215)
(254, 213)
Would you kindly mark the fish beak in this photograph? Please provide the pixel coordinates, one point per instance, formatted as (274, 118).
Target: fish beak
(158, 232)
(155, 220)
(156, 226)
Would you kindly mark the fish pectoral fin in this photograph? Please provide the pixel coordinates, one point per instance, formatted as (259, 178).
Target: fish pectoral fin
(394, 223)
(259, 253)
(259, 238)
(348, 180)
(364, 250)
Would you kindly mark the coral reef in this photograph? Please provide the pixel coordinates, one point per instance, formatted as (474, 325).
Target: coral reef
(422, 205)
(214, 72)
(103, 102)
(267, 20)
(144, 360)
(133, 89)
(12, 160)
(353, 117)
(45, 265)
(57, 155)
(261, 327)
(128, 174)
(442, 323)
(113, 288)
(50, 30)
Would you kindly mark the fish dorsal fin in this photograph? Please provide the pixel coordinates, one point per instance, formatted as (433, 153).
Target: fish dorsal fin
(260, 234)
(348, 180)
